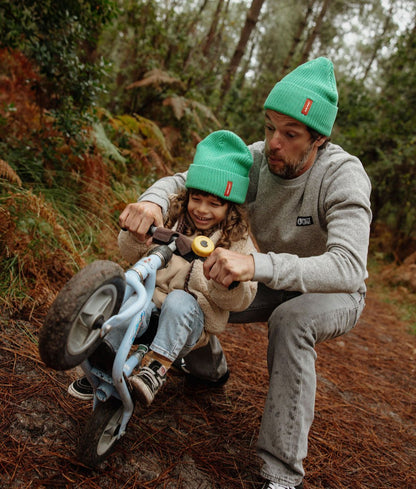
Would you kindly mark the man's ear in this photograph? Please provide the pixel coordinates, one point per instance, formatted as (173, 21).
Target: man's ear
(320, 141)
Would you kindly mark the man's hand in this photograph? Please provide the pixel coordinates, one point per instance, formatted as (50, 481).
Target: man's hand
(226, 266)
(139, 217)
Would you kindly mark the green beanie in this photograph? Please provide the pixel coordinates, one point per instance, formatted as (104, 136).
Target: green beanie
(221, 166)
(308, 94)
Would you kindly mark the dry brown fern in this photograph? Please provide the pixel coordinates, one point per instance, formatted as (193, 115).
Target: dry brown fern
(37, 205)
(7, 173)
(156, 78)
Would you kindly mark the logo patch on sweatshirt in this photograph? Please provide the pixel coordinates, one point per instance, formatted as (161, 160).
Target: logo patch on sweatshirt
(304, 221)
(307, 106)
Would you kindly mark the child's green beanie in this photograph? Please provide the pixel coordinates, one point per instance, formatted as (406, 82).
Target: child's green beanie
(221, 166)
(308, 94)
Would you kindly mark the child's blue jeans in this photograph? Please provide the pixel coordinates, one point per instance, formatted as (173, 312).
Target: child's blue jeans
(181, 323)
(180, 326)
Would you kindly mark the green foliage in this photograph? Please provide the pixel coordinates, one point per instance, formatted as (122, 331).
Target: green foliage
(378, 126)
(166, 46)
(400, 296)
(60, 200)
(60, 37)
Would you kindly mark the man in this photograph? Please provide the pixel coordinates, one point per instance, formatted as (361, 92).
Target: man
(309, 208)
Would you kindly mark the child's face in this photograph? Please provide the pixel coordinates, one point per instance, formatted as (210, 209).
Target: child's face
(206, 211)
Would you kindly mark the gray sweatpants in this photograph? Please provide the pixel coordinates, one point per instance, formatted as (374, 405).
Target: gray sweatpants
(297, 322)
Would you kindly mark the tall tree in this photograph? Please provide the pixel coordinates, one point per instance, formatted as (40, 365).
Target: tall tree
(213, 29)
(380, 40)
(314, 31)
(250, 23)
(297, 38)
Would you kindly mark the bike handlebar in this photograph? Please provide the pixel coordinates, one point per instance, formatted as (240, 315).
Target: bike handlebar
(200, 247)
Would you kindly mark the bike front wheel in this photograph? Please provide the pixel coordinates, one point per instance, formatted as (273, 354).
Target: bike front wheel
(71, 330)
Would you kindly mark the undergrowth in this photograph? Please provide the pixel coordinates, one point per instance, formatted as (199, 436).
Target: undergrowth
(60, 198)
(400, 296)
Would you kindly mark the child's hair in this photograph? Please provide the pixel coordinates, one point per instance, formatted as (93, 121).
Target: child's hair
(234, 227)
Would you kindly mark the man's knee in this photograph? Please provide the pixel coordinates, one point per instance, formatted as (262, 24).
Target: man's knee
(285, 318)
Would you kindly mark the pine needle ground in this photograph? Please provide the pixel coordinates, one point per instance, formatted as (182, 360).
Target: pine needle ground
(363, 435)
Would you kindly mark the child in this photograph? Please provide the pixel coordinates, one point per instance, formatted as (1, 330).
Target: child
(191, 307)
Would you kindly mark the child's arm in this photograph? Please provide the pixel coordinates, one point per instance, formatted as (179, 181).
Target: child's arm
(235, 299)
(130, 248)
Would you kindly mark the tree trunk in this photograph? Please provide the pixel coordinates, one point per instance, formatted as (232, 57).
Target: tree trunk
(312, 36)
(379, 43)
(246, 66)
(213, 29)
(296, 39)
(251, 21)
(191, 33)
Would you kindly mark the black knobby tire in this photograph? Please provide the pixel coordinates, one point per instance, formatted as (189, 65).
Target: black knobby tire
(71, 330)
(99, 438)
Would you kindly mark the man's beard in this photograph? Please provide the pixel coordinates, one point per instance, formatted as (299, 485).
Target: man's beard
(291, 168)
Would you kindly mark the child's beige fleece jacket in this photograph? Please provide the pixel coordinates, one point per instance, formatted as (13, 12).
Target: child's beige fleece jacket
(215, 300)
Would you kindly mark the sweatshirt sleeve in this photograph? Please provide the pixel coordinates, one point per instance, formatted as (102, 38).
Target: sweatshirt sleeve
(342, 267)
(160, 191)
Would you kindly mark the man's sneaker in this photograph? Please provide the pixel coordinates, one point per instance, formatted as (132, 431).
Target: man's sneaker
(194, 381)
(148, 381)
(81, 389)
(275, 485)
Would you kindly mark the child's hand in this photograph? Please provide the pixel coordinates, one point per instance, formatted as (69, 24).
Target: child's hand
(226, 266)
(139, 217)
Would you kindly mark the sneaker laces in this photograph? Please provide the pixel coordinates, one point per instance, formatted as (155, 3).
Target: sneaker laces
(154, 375)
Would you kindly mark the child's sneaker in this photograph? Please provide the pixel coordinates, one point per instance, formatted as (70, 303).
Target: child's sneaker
(81, 389)
(148, 381)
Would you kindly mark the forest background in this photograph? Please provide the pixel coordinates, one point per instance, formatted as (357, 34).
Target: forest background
(99, 98)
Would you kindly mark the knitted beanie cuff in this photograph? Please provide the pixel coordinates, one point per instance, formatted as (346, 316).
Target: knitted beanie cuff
(312, 110)
(224, 184)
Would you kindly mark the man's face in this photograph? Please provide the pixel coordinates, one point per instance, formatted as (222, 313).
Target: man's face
(290, 150)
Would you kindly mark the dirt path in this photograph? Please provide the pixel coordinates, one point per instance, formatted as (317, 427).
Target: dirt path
(363, 436)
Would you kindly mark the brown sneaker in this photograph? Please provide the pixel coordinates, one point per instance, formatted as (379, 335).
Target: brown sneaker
(148, 381)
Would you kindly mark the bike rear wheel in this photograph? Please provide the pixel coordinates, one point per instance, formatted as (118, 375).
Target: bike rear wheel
(101, 433)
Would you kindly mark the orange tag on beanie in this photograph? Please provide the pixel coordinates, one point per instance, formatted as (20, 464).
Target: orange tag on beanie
(307, 106)
(228, 189)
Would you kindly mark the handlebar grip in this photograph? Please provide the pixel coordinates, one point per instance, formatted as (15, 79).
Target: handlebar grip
(152, 229)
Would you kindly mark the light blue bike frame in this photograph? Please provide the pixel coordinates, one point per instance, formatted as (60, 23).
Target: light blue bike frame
(140, 285)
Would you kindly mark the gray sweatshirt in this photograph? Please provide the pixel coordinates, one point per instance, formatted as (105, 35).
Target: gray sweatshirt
(312, 231)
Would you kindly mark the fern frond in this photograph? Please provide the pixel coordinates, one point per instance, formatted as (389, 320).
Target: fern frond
(156, 78)
(178, 104)
(159, 163)
(7, 172)
(181, 105)
(206, 111)
(105, 145)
